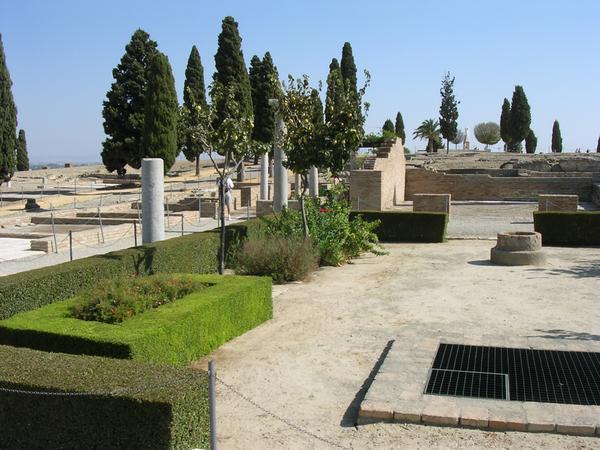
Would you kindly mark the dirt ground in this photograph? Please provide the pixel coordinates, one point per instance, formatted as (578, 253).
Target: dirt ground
(307, 364)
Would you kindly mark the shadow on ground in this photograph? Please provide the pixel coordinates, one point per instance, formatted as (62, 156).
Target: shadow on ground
(579, 269)
(350, 418)
(568, 335)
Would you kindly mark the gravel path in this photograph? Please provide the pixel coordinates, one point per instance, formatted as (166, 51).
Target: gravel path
(308, 364)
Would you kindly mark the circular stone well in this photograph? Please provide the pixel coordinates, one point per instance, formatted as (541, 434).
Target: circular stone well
(518, 248)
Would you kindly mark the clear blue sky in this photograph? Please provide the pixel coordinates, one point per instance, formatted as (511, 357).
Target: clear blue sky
(61, 53)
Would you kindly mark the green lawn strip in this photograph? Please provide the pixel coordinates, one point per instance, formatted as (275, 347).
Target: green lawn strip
(137, 405)
(175, 333)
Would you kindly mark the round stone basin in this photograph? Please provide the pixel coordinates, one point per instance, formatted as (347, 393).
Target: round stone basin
(518, 248)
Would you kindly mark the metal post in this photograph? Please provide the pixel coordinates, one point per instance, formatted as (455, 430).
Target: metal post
(168, 216)
(199, 209)
(182, 223)
(212, 375)
(101, 228)
(71, 245)
(54, 233)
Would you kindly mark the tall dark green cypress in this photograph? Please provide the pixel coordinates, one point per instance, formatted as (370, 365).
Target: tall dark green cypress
(556, 138)
(520, 119)
(22, 155)
(598, 146)
(159, 138)
(264, 83)
(194, 95)
(317, 115)
(231, 73)
(530, 142)
(348, 68)
(334, 95)
(505, 123)
(399, 128)
(8, 122)
(388, 127)
(124, 108)
(448, 110)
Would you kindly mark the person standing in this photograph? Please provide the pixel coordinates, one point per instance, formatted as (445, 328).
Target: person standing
(227, 194)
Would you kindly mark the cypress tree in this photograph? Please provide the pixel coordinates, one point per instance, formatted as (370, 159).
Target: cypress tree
(194, 95)
(399, 128)
(348, 68)
(520, 119)
(388, 127)
(124, 108)
(159, 138)
(232, 74)
(448, 111)
(263, 81)
(334, 96)
(22, 155)
(505, 123)
(8, 122)
(317, 116)
(556, 138)
(530, 142)
(598, 146)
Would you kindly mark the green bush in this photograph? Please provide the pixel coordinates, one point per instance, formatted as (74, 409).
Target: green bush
(194, 253)
(136, 405)
(283, 259)
(568, 228)
(400, 226)
(337, 237)
(123, 298)
(175, 333)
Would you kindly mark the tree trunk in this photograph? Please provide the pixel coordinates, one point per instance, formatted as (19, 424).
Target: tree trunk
(222, 230)
(198, 165)
(241, 171)
(302, 207)
(447, 146)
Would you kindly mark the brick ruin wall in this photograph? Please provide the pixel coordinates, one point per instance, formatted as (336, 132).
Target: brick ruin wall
(486, 187)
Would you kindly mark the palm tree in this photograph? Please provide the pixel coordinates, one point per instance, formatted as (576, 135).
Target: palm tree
(430, 130)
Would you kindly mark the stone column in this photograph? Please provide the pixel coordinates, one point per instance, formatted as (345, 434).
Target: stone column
(313, 184)
(297, 185)
(280, 177)
(264, 176)
(153, 200)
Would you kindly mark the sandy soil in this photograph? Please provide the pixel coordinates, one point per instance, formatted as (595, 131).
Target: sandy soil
(309, 362)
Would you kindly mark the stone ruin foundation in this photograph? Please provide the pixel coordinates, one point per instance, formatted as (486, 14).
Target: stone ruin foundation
(518, 248)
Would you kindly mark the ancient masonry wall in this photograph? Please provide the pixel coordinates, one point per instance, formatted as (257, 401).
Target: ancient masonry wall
(381, 186)
(553, 202)
(485, 187)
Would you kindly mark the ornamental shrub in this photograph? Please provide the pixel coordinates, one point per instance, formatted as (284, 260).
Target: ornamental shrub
(123, 298)
(282, 258)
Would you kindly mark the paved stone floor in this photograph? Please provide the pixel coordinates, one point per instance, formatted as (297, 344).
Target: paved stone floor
(397, 391)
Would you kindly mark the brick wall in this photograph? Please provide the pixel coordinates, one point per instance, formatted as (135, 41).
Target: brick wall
(485, 187)
(432, 202)
(558, 202)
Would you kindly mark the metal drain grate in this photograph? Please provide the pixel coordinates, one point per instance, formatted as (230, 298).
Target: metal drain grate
(547, 376)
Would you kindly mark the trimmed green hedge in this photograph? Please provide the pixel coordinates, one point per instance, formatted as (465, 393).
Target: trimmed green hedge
(406, 226)
(175, 333)
(137, 406)
(194, 253)
(568, 228)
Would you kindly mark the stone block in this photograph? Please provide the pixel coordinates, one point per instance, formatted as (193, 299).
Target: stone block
(551, 202)
(440, 411)
(432, 203)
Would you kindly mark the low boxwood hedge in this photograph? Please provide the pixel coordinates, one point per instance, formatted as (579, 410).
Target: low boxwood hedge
(407, 226)
(568, 228)
(133, 405)
(194, 253)
(175, 333)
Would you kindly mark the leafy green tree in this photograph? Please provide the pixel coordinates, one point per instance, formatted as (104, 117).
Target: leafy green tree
(430, 130)
(399, 128)
(520, 119)
(448, 110)
(194, 93)
(232, 75)
(8, 122)
(159, 138)
(124, 108)
(556, 138)
(388, 126)
(22, 155)
(348, 68)
(530, 142)
(460, 137)
(487, 133)
(505, 133)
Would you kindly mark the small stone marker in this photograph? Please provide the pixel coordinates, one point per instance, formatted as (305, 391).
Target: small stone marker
(518, 248)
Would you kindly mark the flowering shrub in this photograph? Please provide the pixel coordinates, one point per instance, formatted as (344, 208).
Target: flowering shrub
(337, 237)
(123, 298)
